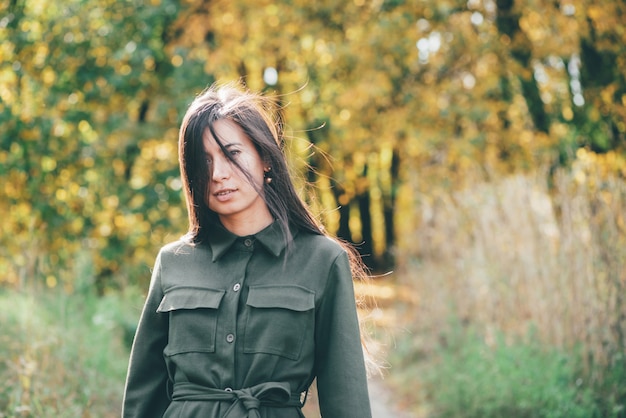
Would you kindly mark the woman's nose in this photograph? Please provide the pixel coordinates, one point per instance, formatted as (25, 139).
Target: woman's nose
(220, 168)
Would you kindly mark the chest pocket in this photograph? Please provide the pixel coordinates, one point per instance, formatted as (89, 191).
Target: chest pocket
(279, 318)
(193, 319)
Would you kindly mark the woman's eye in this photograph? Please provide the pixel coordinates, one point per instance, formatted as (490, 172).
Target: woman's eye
(234, 152)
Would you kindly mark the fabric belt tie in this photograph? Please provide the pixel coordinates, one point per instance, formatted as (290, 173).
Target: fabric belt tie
(245, 402)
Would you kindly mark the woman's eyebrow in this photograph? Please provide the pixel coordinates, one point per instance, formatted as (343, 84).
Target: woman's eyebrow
(226, 146)
(232, 144)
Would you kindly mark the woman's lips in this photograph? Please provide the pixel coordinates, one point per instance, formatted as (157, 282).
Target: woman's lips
(224, 195)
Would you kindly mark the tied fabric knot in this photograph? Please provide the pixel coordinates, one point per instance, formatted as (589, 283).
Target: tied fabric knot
(249, 399)
(249, 402)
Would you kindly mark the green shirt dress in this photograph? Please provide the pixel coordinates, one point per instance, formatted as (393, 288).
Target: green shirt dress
(239, 328)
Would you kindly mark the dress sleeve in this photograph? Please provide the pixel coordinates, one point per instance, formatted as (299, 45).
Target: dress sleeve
(145, 393)
(339, 363)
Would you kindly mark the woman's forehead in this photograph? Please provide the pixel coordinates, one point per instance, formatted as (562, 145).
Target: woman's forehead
(228, 133)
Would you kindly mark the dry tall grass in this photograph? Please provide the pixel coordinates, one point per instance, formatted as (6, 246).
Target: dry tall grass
(514, 254)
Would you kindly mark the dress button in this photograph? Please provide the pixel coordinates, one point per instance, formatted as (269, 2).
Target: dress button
(230, 338)
(247, 242)
(236, 287)
(228, 389)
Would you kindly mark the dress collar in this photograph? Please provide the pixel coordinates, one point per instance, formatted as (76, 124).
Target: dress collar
(271, 237)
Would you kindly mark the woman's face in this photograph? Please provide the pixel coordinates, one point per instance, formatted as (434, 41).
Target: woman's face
(231, 195)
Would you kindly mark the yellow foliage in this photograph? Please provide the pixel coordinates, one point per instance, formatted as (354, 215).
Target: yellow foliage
(74, 84)
(51, 281)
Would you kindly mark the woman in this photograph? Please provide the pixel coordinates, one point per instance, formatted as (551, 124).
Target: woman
(255, 301)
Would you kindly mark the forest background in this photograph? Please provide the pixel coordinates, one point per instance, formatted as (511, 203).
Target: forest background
(474, 150)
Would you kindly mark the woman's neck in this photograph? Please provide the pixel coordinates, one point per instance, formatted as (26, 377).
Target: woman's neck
(248, 225)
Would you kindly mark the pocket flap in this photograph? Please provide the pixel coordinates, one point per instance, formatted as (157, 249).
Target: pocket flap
(190, 298)
(294, 298)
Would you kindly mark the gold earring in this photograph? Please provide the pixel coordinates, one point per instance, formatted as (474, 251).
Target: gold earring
(267, 177)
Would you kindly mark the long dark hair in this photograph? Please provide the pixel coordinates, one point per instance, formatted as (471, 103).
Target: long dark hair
(261, 120)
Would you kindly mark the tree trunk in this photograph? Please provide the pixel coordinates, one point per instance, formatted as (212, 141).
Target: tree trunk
(389, 206)
(599, 69)
(366, 249)
(507, 21)
(344, 212)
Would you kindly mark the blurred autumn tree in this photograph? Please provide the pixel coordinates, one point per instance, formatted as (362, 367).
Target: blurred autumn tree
(88, 138)
(384, 98)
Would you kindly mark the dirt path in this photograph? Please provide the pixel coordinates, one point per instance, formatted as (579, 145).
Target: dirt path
(384, 317)
(381, 401)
